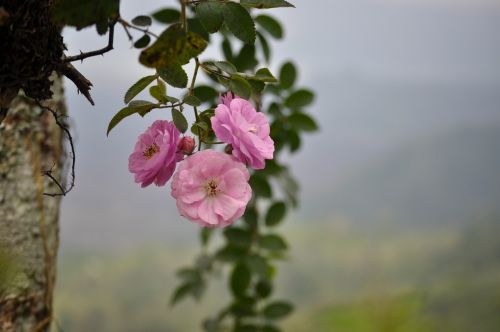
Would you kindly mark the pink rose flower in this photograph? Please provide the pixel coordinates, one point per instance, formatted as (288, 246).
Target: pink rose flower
(211, 188)
(155, 154)
(247, 130)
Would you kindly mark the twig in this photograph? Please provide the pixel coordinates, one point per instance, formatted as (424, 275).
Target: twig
(48, 173)
(82, 83)
(129, 35)
(101, 51)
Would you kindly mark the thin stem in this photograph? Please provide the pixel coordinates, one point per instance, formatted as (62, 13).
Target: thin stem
(195, 74)
(196, 116)
(210, 71)
(191, 89)
(172, 106)
(183, 16)
(126, 25)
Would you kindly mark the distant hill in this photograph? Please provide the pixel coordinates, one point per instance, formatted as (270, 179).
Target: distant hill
(448, 177)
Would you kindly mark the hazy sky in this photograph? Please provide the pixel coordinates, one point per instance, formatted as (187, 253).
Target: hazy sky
(384, 71)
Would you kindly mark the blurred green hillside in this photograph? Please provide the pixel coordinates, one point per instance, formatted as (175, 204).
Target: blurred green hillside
(381, 277)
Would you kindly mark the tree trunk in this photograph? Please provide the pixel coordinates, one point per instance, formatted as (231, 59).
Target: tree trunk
(30, 143)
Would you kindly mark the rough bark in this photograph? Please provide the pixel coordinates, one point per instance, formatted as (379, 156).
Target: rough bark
(30, 142)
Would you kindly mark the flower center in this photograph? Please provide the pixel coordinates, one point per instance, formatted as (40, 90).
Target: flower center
(150, 151)
(211, 188)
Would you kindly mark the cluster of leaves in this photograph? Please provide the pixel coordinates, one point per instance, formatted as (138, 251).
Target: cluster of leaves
(252, 247)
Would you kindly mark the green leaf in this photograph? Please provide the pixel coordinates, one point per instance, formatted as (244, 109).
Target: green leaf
(189, 275)
(205, 93)
(265, 47)
(226, 67)
(174, 75)
(167, 15)
(172, 100)
(238, 237)
(191, 100)
(244, 307)
(227, 50)
(142, 42)
(240, 280)
(81, 14)
(139, 106)
(265, 75)
(173, 47)
(181, 292)
(275, 214)
(123, 113)
(239, 22)
(230, 254)
(260, 186)
(100, 26)
(263, 288)
(142, 20)
(270, 24)
(138, 86)
(272, 167)
(207, 114)
(299, 98)
(210, 15)
(143, 106)
(293, 139)
(199, 128)
(277, 309)
(258, 265)
(272, 242)
(195, 26)
(251, 216)
(157, 93)
(302, 121)
(288, 75)
(275, 110)
(240, 86)
(246, 58)
(162, 86)
(263, 4)
(257, 86)
(179, 120)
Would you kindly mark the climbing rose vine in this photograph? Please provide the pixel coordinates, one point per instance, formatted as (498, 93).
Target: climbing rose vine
(220, 142)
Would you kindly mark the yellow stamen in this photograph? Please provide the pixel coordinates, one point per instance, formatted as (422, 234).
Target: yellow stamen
(212, 188)
(150, 152)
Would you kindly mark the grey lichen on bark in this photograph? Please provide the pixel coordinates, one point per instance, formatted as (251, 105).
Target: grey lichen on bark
(30, 143)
